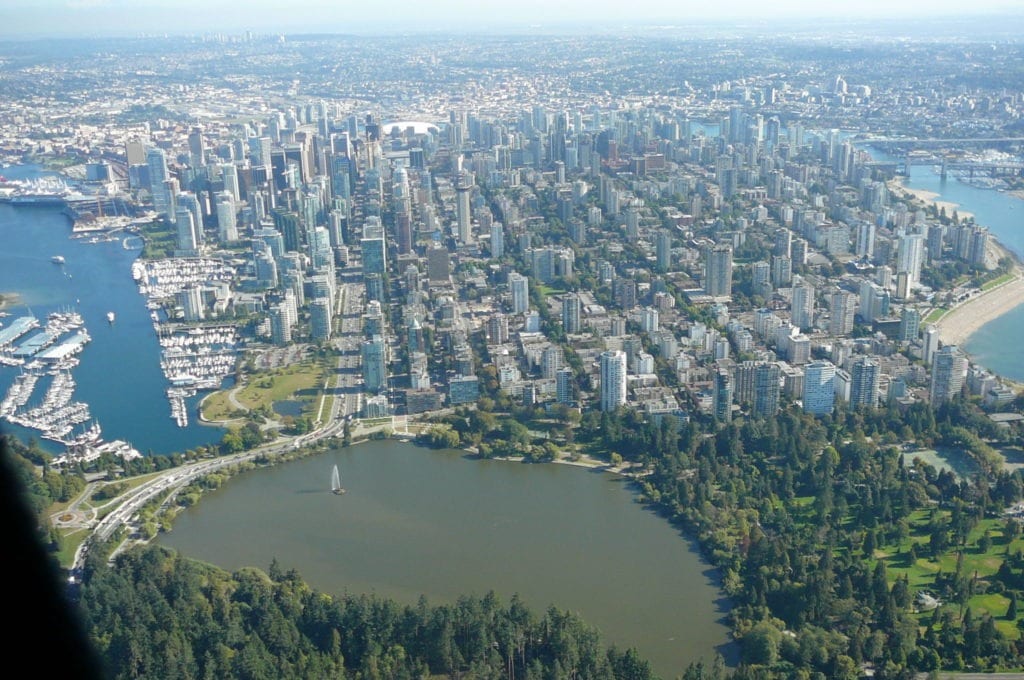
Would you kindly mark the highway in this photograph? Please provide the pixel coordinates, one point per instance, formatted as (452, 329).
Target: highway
(175, 479)
(347, 402)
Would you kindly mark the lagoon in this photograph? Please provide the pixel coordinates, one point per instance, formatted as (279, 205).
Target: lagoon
(416, 521)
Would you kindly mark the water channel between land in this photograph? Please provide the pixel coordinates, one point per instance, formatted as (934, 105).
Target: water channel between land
(416, 521)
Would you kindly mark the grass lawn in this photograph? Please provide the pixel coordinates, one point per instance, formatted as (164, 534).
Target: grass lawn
(160, 240)
(996, 282)
(217, 406)
(1013, 457)
(546, 290)
(921, 572)
(69, 544)
(301, 382)
(935, 315)
(957, 462)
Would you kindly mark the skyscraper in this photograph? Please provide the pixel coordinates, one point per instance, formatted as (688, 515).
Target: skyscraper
(196, 147)
(563, 385)
(320, 319)
(571, 309)
(497, 240)
(403, 231)
(802, 315)
(613, 379)
(520, 286)
(722, 394)
(864, 382)
(229, 175)
(374, 364)
(766, 390)
(910, 324)
(930, 339)
(978, 248)
(761, 275)
(227, 224)
(187, 241)
(819, 387)
(551, 361)
(280, 325)
(843, 307)
(156, 159)
(782, 270)
(462, 190)
(374, 247)
(663, 248)
(866, 240)
(909, 257)
(947, 374)
(189, 200)
(718, 268)
(438, 264)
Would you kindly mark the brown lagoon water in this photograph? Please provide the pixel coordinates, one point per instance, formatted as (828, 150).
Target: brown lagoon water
(416, 521)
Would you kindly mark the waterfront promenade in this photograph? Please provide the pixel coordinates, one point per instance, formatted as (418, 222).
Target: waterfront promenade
(957, 325)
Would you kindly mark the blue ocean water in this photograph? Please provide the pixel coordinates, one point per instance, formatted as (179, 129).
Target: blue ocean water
(1003, 214)
(119, 375)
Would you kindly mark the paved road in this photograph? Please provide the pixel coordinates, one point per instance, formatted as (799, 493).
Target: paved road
(175, 479)
(348, 401)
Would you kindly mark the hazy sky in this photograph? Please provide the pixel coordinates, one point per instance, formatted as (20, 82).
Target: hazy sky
(31, 18)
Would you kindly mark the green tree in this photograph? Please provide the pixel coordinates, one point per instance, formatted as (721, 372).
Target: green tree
(761, 644)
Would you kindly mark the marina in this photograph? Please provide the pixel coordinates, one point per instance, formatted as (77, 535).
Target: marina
(193, 358)
(57, 417)
(117, 368)
(16, 329)
(160, 279)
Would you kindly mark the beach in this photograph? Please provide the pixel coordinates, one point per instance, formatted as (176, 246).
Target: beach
(960, 322)
(928, 197)
(966, 318)
(9, 300)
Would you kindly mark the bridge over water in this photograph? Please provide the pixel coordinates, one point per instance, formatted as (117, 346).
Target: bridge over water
(892, 142)
(908, 145)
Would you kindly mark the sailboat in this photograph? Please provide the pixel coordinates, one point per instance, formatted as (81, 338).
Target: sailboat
(336, 487)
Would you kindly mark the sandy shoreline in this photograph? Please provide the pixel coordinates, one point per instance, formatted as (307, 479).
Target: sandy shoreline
(896, 185)
(9, 300)
(964, 320)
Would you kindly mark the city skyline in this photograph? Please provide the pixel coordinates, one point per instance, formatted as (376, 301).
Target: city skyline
(110, 18)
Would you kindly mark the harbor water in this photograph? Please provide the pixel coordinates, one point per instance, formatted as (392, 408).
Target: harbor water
(119, 375)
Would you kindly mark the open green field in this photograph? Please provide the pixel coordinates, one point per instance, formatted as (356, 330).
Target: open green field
(975, 564)
(935, 315)
(218, 407)
(69, 544)
(998, 281)
(1013, 457)
(956, 462)
(298, 382)
(160, 240)
(546, 290)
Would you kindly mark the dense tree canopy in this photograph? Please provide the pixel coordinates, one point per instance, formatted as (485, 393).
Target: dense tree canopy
(155, 614)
